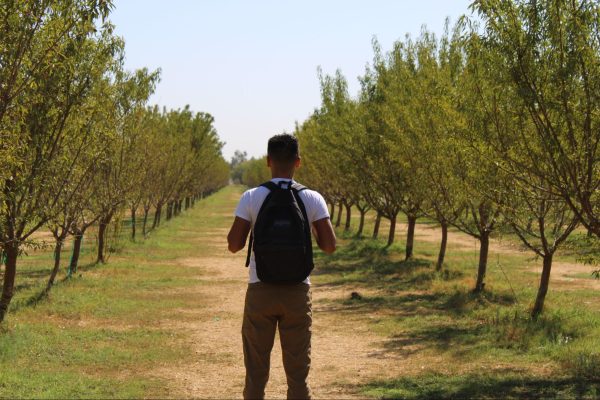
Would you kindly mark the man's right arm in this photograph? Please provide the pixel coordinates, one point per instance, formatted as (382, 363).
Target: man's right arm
(241, 226)
(324, 235)
(236, 239)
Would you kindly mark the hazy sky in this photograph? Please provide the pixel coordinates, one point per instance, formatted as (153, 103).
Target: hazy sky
(253, 64)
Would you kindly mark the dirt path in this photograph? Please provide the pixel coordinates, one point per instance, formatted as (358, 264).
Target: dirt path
(344, 353)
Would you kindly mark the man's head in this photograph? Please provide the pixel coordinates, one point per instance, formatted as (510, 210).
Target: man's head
(283, 156)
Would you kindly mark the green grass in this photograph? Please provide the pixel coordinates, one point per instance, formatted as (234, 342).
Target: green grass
(100, 334)
(456, 344)
(65, 385)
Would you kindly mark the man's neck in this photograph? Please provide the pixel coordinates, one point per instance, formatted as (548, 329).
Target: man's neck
(282, 175)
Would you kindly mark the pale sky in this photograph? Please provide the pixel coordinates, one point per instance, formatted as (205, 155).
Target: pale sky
(253, 64)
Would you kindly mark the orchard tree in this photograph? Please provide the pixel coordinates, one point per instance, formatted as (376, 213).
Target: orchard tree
(550, 53)
(129, 94)
(537, 214)
(428, 118)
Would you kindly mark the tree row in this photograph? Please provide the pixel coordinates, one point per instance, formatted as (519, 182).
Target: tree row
(80, 146)
(492, 128)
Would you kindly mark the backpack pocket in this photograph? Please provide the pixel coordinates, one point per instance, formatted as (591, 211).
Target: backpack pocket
(281, 263)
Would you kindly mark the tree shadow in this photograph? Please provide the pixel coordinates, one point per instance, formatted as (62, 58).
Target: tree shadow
(447, 335)
(89, 266)
(484, 386)
(25, 286)
(369, 263)
(43, 293)
(30, 301)
(35, 273)
(455, 302)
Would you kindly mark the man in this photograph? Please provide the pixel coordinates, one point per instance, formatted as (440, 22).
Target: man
(283, 305)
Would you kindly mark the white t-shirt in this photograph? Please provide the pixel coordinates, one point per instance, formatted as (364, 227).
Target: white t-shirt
(251, 201)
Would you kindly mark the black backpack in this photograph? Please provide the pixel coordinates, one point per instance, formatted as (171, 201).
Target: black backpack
(281, 240)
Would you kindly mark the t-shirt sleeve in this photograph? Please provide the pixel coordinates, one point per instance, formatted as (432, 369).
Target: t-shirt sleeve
(243, 207)
(318, 207)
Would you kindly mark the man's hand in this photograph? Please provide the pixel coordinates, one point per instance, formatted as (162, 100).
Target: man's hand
(324, 235)
(236, 238)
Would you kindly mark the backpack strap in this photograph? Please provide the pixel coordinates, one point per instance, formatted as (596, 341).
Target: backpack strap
(250, 243)
(298, 187)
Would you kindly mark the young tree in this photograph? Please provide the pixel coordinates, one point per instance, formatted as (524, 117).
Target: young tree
(130, 92)
(550, 51)
(540, 218)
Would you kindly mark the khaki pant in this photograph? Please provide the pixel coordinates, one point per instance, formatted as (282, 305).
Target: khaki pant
(267, 306)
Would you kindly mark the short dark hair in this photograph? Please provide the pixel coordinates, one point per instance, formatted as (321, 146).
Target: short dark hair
(283, 149)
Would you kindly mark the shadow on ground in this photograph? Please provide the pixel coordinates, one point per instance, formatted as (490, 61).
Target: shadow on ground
(367, 263)
(506, 385)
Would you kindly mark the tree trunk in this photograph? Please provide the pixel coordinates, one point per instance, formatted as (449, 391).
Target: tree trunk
(377, 224)
(543, 289)
(392, 230)
(187, 203)
(169, 210)
(144, 232)
(104, 221)
(57, 250)
(483, 257)
(332, 213)
(77, 239)
(11, 251)
(157, 213)
(133, 210)
(348, 217)
(361, 224)
(410, 236)
(339, 216)
(442, 254)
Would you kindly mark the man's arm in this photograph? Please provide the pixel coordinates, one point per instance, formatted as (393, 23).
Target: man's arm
(236, 238)
(324, 235)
